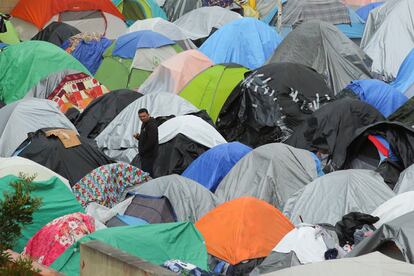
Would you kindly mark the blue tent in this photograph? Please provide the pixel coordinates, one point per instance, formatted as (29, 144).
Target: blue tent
(213, 165)
(364, 11)
(127, 45)
(405, 76)
(89, 52)
(247, 41)
(356, 28)
(382, 96)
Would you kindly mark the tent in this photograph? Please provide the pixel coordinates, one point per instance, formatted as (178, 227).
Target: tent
(379, 94)
(332, 128)
(17, 63)
(323, 47)
(272, 173)
(8, 33)
(213, 165)
(370, 265)
(271, 102)
(87, 16)
(210, 89)
(24, 116)
(393, 208)
(116, 139)
(57, 200)
(357, 3)
(56, 33)
(102, 110)
(173, 74)
(405, 181)
(328, 198)
(189, 199)
(243, 229)
(176, 8)
(155, 243)
(201, 23)
(385, 25)
(404, 82)
(394, 239)
(136, 10)
(247, 41)
(364, 11)
(132, 58)
(73, 163)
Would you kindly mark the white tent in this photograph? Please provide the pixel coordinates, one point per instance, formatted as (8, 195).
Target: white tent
(393, 208)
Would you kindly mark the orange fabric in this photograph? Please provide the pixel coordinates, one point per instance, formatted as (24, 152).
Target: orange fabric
(39, 12)
(243, 229)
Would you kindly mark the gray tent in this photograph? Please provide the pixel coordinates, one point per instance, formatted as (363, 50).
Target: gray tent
(323, 47)
(405, 181)
(330, 197)
(394, 239)
(189, 199)
(176, 8)
(272, 172)
(28, 115)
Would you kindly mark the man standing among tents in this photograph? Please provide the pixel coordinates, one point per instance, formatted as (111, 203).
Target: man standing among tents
(148, 141)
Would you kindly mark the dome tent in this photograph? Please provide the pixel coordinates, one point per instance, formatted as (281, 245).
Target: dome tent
(8, 34)
(56, 33)
(136, 10)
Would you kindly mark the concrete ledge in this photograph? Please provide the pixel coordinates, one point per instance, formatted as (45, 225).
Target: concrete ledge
(97, 258)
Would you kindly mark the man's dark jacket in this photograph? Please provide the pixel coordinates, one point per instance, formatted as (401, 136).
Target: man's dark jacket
(148, 139)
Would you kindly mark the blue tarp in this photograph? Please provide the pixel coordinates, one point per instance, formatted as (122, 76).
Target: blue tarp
(364, 11)
(356, 28)
(405, 76)
(247, 41)
(127, 45)
(213, 165)
(385, 98)
(90, 53)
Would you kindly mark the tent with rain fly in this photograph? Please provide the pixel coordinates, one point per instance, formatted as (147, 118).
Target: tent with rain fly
(176, 8)
(132, 58)
(8, 34)
(189, 199)
(272, 173)
(271, 102)
(247, 41)
(323, 47)
(56, 33)
(328, 198)
(102, 110)
(213, 165)
(404, 82)
(72, 157)
(155, 243)
(24, 116)
(17, 63)
(210, 89)
(100, 16)
(136, 10)
(173, 74)
(57, 201)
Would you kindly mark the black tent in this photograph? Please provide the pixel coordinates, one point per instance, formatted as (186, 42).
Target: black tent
(101, 111)
(73, 163)
(404, 114)
(56, 33)
(271, 102)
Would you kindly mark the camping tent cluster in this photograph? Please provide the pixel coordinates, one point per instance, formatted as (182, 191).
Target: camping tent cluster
(284, 143)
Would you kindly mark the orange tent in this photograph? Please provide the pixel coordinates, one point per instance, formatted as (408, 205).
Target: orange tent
(39, 12)
(243, 229)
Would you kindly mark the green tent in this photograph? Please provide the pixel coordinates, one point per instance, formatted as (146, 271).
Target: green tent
(117, 73)
(134, 10)
(57, 201)
(155, 243)
(209, 89)
(10, 36)
(24, 64)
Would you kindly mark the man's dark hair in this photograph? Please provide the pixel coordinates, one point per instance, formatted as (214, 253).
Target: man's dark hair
(143, 110)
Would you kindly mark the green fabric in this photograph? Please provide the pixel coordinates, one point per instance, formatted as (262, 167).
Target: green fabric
(24, 64)
(210, 89)
(11, 36)
(155, 243)
(133, 10)
(57, 201)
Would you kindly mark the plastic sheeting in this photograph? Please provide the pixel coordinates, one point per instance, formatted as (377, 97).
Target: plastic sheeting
(328, 198)
(272, 172)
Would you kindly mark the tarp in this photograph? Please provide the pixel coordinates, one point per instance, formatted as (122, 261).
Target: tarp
(328, 198)
(56, 33)
(17, 63)
(405, 78)
(57, 201)
(24, 116)
(272, 172)
(155, 243)
(213, 165)
(189, 199)
(379, 94)
(393, 208)
(323, 47)
(248, 42)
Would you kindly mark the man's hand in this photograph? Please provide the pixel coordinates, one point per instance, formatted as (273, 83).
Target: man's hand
(136, 136)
